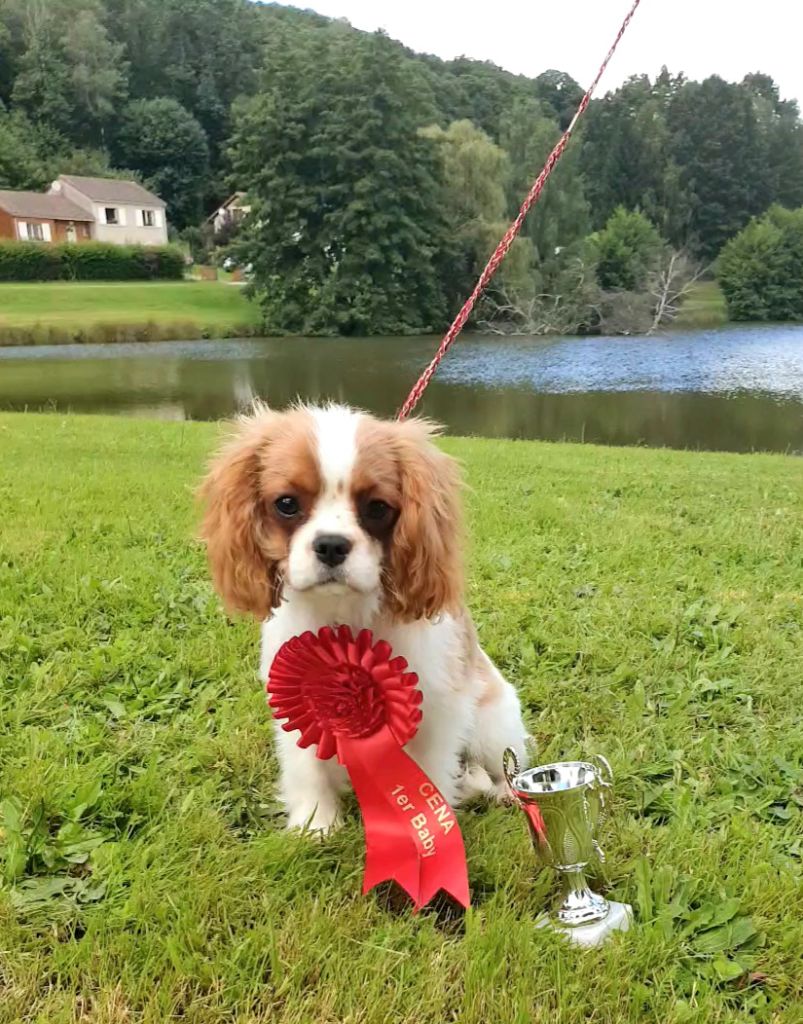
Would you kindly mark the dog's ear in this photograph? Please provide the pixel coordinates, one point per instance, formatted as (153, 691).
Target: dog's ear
(425, 565)
(233, 528)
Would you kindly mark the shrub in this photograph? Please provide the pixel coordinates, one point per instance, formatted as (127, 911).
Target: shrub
(199, 241)
(760, 270)
(625, 251)
(92, 261)
(28, 261)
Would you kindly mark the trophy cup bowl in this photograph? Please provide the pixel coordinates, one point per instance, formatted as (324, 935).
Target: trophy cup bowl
(565, 803)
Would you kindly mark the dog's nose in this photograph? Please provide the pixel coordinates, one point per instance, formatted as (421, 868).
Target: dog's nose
(331, 549)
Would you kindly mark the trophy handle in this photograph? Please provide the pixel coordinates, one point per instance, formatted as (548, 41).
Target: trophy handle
(604, 770)
(604, 774)
(510, 761)
(511, 768)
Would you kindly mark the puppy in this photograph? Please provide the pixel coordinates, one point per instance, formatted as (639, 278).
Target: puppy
(327, 516)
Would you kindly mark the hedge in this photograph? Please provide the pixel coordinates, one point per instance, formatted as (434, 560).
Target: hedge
(90, 261)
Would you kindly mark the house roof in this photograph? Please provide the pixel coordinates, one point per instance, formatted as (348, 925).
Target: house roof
(233, 200)
(42, 206)
(113, 190)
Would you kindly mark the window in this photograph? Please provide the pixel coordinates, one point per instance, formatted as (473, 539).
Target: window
(148, 219)
(111, 215)
(34, 232)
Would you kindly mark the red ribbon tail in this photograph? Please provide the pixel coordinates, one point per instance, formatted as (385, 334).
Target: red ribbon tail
(533, 812)
(411, 833)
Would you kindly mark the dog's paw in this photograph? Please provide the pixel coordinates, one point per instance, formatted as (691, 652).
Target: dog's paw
(475, 783)
(319, 819)
(478, 784)
(502, 793)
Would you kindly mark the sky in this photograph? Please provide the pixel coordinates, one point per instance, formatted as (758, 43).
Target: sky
(699, 37)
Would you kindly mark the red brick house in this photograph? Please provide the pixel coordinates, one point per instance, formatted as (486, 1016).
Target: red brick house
(35, 217)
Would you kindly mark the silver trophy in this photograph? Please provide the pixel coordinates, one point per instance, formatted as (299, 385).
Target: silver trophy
(565, 803)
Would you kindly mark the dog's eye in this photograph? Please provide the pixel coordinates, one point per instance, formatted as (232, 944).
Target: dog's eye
(287, 506)
(376, 511)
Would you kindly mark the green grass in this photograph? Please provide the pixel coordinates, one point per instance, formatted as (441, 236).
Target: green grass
(704, 307)
(63, 311)
(647, 604)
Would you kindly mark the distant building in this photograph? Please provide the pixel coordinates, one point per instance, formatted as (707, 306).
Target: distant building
(231, 212)
(122, 211)
(78, 209)
(34, 217)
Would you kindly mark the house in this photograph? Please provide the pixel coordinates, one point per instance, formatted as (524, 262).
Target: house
(78, 209)
(231, 212)
(122, 212)
(35, 217)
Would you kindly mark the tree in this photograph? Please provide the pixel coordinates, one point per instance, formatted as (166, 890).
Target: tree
(93, 163)
(779, 121)
(21, 163)
(669, 284)
(627, 159)
(97, 75)
(202, 53)
(570, 306)
(474, 171)
(345, 223)
(167, 146)
(721, 151)
(479, 92)
(554, 229)
(626, 251)
(560, 219)
(32, 156)
(560, 93)
(8, 58)
(70, 76)
(41, 86)
(761, 269)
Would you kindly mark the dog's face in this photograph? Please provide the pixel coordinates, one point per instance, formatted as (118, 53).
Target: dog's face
(329, 500)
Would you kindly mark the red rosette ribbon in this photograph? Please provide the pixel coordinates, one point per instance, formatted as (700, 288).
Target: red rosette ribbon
(348, 696)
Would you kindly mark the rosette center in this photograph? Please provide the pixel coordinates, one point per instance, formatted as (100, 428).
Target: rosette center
(349, 702)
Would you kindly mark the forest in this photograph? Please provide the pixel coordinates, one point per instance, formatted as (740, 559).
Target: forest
(379, 179)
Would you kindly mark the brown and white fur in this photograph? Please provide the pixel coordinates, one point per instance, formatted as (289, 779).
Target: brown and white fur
(326, 515)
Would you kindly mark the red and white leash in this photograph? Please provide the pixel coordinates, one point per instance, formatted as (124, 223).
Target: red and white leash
(503, 248)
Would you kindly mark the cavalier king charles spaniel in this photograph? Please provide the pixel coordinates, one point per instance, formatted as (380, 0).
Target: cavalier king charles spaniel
(327, 516)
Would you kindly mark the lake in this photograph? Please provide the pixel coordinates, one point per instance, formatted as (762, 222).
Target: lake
(732, 388)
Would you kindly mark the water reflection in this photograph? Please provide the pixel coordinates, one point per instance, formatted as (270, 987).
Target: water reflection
(735, 389)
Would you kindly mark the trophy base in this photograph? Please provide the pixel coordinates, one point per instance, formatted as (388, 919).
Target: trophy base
(617, 919)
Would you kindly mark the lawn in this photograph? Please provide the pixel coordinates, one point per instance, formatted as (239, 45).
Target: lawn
(704, 307)
(646, 603)
(59, 308)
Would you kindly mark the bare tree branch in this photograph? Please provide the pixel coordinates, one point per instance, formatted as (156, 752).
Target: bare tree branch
(573, 307)
(670, 285)
(580, 305)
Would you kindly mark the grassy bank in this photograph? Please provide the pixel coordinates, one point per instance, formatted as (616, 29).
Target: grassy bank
(704, 307)
(55, 313)
(647, 604)
(62, 312)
